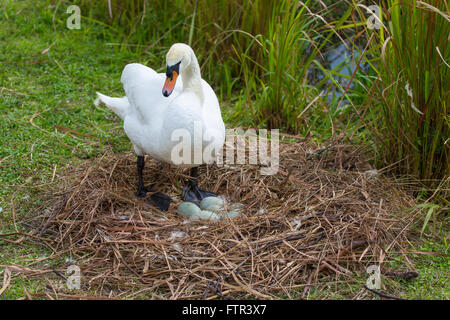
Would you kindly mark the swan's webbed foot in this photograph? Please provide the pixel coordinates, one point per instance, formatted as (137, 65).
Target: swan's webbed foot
(159, 200)
(192, 193)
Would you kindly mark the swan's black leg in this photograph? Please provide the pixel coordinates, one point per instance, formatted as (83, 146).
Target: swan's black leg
(141, 192)
(157, 199)
(191, 191)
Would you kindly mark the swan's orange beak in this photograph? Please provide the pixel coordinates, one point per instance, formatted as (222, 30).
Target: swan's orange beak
(172, 73)
(170, 83)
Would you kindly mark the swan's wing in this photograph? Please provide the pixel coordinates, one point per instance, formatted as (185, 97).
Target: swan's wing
(133, 73)
(143, 87)
(119, 106)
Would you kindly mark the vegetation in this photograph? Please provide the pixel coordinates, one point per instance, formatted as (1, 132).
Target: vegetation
(261, 57)
(260, 54)
(412, 50)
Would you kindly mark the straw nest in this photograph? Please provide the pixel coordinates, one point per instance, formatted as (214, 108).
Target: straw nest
(323, 215)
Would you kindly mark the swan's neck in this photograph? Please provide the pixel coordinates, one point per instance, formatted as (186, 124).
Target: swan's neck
(192, 79)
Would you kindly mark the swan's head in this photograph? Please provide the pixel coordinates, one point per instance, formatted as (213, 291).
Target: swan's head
(178, 59)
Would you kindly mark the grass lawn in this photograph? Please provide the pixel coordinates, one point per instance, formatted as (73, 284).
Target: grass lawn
(48, 79)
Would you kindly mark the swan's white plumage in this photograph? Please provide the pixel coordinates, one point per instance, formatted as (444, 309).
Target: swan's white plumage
(120, 106)
(150, 118)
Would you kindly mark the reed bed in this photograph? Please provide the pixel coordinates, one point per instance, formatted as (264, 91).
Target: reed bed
(410, 55)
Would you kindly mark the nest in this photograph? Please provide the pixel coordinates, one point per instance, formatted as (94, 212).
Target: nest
(322, 216)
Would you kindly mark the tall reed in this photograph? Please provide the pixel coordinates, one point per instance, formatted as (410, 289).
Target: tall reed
(415, 77)
(286, 50)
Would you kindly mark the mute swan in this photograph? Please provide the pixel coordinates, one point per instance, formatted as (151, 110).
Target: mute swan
(182, 125)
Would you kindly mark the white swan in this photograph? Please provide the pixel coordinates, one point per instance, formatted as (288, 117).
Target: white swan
(181, 125)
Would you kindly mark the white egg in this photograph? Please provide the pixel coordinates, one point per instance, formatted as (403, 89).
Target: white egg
(232, 214)
(206, 215)
(187, 209)
(211, 204)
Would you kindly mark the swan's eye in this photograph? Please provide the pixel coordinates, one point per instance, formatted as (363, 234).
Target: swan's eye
(171, 69)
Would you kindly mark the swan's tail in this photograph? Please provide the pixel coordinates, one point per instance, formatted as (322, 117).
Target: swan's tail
(119, 106)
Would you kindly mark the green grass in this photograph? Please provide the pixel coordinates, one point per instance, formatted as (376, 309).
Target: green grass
(434, 273)
(56, 89)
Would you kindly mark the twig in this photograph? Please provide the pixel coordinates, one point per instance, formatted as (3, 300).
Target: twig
(381, 294)
(13, 211)
(405, 275)
(276, 242)
(59, 274)
(54, 214)
(26, 293)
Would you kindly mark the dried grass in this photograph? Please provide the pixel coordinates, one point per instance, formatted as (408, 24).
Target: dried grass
(320, 216)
